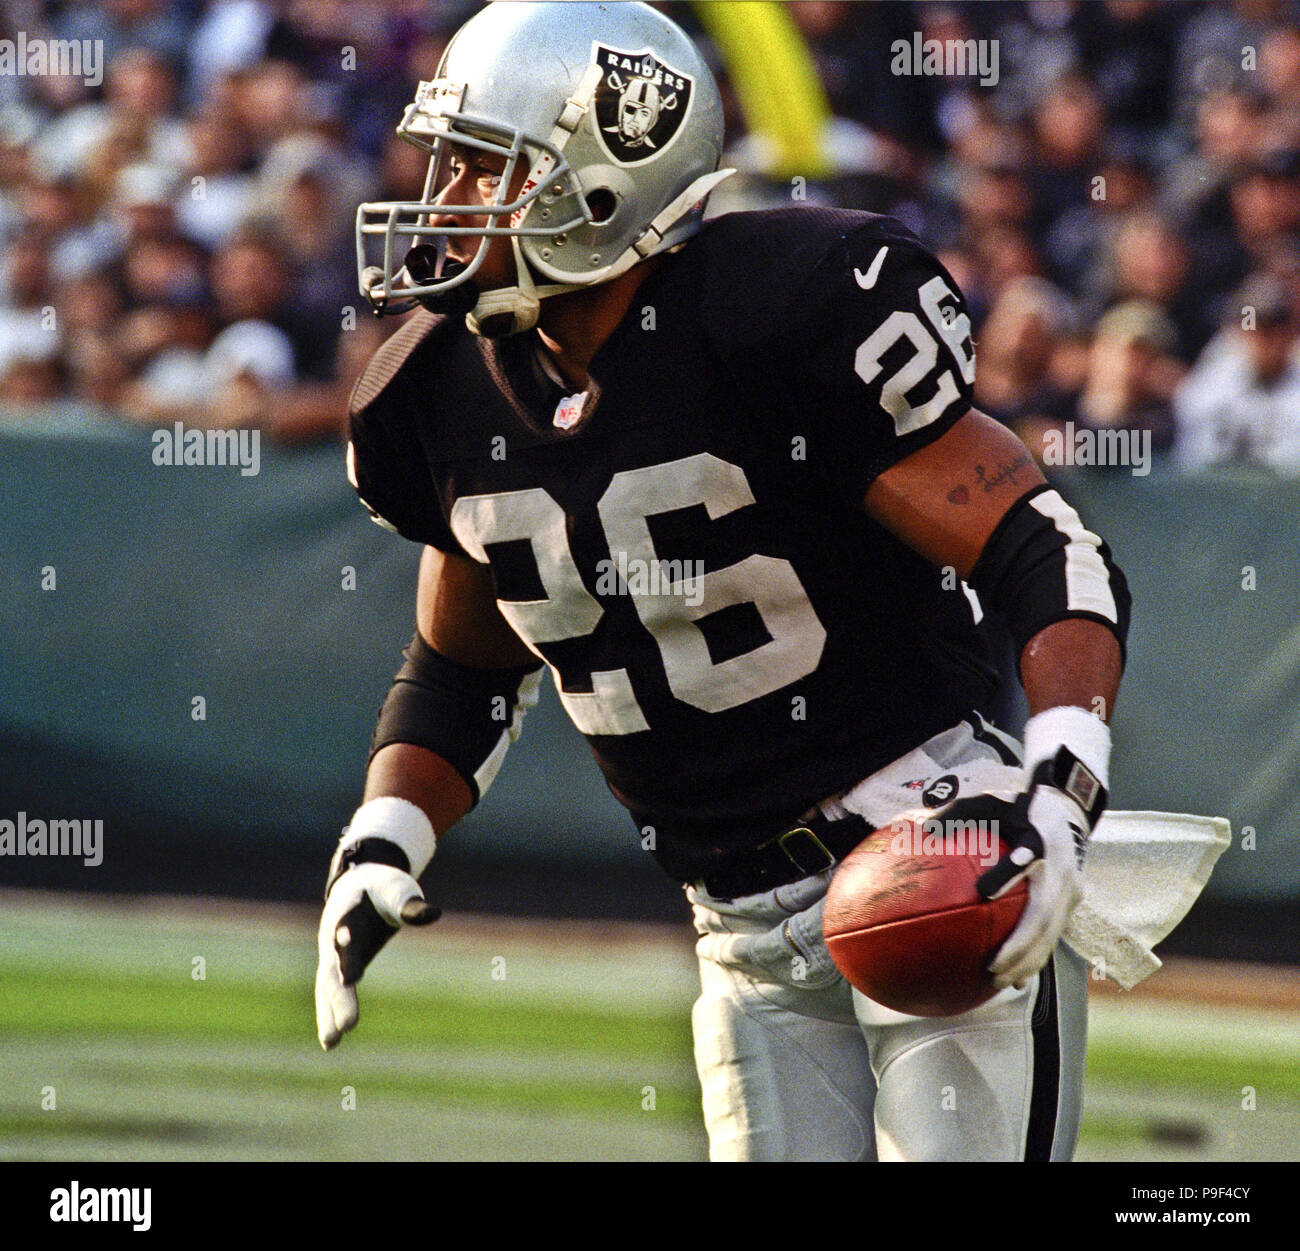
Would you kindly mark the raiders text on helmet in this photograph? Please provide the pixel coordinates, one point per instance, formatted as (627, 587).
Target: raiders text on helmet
(617, 121)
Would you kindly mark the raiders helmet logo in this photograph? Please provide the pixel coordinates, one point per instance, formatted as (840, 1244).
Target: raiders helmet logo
(641, 104)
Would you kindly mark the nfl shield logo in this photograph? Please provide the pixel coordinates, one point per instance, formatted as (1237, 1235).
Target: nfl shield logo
(641, 103)
(569, 410)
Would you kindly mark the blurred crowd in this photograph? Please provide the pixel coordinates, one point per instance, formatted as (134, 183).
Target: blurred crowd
(1121, 208)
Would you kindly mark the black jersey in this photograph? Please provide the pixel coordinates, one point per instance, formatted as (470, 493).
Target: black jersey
(685, 546)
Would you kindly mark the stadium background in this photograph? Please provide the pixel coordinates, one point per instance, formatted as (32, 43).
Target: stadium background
(189, 225)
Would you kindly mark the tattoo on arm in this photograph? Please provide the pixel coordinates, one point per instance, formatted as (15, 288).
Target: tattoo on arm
(1006, 472)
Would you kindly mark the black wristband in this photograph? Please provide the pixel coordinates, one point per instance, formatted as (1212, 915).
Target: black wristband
(366, 851)
(1068, 774)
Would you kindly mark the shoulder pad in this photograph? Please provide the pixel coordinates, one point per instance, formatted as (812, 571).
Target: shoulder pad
(423, 328)
(757, 265)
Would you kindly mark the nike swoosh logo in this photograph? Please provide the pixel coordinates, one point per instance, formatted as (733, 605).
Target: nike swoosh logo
(868, 280)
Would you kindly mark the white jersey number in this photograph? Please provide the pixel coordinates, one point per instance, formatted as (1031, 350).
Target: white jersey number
(569, 610)
(902, 324)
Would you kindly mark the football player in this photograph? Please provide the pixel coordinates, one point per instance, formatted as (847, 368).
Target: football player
(725, 481)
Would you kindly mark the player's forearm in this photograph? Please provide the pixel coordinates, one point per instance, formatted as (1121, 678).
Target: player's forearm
(1071, 671)
(423, 778)
(1074, 662)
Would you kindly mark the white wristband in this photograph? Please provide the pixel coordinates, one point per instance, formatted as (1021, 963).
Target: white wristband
(1086, 735)
(399, 821)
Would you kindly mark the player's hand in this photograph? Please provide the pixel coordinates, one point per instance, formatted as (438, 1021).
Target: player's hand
(366, 906)
(1047, 832)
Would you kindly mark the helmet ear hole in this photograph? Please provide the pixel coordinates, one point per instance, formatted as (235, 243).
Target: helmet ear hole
(602, 202)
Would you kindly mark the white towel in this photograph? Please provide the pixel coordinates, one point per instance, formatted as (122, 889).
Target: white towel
(1143, 872)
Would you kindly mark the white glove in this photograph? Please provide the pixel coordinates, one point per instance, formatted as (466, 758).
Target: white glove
(1055, 886)
(1049, 840)
(366, 902)
(365, 908)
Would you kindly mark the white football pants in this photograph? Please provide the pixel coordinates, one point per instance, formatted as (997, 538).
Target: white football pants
(795, 1064)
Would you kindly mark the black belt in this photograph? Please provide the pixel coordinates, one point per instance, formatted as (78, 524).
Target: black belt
(801, 851)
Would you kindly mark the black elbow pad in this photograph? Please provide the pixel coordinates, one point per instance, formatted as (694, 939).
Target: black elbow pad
(467, 716)
(1041, 565)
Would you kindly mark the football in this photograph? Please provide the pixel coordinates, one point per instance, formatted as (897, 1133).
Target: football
(903, 920)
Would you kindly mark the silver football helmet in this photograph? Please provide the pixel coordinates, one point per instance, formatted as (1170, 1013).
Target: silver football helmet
(617, 122)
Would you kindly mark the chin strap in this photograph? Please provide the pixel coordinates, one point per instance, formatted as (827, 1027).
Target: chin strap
(650, 240)
(521, 304)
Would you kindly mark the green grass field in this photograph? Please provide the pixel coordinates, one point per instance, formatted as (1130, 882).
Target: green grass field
(481, 1040)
